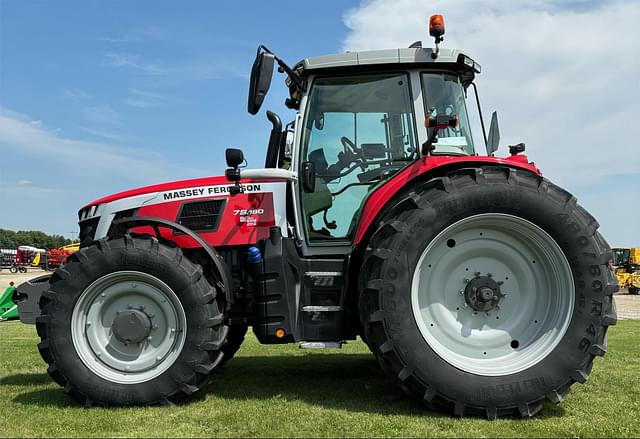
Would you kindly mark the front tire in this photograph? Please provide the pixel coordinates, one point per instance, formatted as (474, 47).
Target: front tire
(130, 322)
(502, 303)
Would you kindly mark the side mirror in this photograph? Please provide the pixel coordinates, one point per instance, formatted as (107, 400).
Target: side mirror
(494, 135)
(234, 157)
(308, 177)
(260, 80)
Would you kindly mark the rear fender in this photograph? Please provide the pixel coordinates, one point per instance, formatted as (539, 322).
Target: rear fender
(426, 168)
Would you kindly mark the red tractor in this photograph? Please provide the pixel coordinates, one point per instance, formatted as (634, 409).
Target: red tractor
(480, 287)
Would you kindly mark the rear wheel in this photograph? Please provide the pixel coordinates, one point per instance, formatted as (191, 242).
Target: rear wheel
(130, 322)
(508, 292)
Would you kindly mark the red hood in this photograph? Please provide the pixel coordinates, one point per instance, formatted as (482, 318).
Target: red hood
(180, 184)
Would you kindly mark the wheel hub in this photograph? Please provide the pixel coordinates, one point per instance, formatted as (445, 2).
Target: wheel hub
(131, 326)
(482, 293)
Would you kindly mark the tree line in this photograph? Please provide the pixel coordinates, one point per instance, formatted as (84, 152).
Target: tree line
(35, 238)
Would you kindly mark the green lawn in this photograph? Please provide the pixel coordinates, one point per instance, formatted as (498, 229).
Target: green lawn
(285, 391)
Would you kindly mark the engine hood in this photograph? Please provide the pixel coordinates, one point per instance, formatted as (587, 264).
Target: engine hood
(162, 187)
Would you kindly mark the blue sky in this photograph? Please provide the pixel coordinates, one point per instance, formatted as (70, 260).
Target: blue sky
(158, 79)
(101, 96)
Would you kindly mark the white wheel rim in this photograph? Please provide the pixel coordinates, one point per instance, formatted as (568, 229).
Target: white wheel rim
(98, 346)
(525, 326)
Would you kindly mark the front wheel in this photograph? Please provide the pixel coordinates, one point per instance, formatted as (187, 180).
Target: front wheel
(501, 304)
(130, 322)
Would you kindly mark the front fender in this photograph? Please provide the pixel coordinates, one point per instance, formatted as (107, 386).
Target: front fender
(121, 226)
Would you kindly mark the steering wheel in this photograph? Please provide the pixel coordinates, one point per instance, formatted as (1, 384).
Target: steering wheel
(348, 144)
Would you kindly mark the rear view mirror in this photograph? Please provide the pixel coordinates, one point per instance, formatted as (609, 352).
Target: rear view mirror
(494, 135)
(260, 80)
(308, 177)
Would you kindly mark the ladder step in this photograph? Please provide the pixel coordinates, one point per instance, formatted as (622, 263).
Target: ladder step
(321, 345)
(323, 273)
(321, 308)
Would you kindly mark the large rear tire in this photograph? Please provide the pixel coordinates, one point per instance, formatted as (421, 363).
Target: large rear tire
(130, 322)
(502, 303)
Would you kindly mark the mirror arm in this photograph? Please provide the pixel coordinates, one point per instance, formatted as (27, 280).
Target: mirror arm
(484, 133)
(427, 146)
(297, 80)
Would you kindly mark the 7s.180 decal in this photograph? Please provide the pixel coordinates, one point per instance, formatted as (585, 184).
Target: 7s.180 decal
(248, 217)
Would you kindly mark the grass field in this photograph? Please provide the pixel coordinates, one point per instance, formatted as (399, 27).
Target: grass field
(285, 391)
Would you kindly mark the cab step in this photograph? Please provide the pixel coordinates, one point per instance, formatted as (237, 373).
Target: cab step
(321, 345)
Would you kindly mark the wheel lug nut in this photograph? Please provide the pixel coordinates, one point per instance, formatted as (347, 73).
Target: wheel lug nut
(158, 358)
(103, 295)
(88, 323)
(465, 280)
(476, 274)
(489, 275)
(461, 292)
(149, 338)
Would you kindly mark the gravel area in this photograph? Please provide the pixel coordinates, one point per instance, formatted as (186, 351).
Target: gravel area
(628, 306)
(6, 277)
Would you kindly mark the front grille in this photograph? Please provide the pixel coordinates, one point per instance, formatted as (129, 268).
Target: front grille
(124, 214)
(88, 231)
(201, 215)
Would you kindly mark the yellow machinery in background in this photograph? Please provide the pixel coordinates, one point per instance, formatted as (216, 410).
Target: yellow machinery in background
(627, 265)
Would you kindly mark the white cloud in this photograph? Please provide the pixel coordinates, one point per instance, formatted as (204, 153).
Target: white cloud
(562, 75)
(137, 35)
(143, 99)
(134, 62)
(199, 69)
(80, 157)
(101, 114)
(71, 94)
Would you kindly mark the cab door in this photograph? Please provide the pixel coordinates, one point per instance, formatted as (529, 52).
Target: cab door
(357, 131)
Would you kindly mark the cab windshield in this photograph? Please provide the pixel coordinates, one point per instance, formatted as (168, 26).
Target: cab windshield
(358, 131)
(445, 95)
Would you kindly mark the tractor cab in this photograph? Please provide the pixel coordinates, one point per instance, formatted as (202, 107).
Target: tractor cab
(363, 117)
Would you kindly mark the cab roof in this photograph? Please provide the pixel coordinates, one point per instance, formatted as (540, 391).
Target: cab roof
(380, 57)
